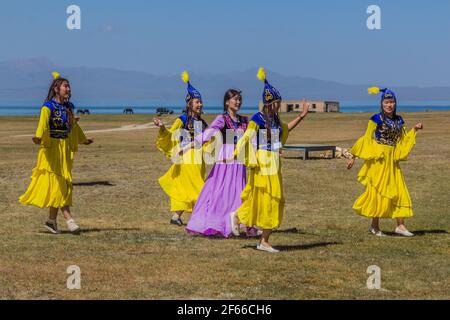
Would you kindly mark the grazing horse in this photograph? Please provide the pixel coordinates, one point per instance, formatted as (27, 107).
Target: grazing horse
(83, 111)
(128, 111)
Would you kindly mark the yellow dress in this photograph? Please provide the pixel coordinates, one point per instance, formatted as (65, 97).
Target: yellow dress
(185, 178)
(51, 179)
(386, 194)
(262, 198)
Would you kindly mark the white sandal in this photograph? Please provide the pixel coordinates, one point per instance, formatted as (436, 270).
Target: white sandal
(404, 233)
(267, 249)
(378, 233)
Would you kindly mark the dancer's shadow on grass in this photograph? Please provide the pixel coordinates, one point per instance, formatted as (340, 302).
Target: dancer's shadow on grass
(94, 183)
(297, 247)
(244, 236)
(218, 237)
(418, 233)
(311, 158)
(290, 230)
(92, 230)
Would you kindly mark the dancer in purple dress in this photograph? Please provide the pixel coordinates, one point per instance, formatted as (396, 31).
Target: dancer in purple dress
(221, 192)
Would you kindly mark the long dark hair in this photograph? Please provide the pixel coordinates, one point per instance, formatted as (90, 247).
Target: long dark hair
(230, 94)
(56, 83)
(189, 122)
(268, 115)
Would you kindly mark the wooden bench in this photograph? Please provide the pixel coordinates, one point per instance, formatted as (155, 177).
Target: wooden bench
(306, 148)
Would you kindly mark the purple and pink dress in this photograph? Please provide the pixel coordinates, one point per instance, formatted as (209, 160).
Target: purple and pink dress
(221, 192)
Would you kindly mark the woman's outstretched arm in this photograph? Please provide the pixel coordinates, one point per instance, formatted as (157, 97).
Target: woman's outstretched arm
(296, 121)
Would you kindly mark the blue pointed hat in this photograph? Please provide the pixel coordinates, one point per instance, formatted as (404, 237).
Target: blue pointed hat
(270, 94)
(386, 93)
(192, 93)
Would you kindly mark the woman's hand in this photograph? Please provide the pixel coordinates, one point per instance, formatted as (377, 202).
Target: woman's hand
(350, 163)
(36, 140)
(418, 126)
(89, 141)
(181, 152)
(158, 122)
(305, 108)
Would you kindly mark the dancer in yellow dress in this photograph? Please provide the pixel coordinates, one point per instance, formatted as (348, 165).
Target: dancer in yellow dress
(185, 178)
(262, 197)
(385, 143)
(58, 135)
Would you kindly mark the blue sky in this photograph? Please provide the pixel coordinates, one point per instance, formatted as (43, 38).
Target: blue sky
(323, 39)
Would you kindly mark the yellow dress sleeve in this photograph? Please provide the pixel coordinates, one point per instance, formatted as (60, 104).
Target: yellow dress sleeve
(43, 129)
(405, 145)
(80, 134)
(366, 147)
(77, 136)
(246, 146)
(164, 142)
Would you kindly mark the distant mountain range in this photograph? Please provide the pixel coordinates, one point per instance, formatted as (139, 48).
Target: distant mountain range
(25, 82)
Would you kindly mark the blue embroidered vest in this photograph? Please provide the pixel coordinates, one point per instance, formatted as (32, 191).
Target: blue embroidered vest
(190, 127)
(267, 144)
(60, 119)
(388, 131)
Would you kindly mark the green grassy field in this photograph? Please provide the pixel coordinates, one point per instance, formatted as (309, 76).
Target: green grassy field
(128, 250)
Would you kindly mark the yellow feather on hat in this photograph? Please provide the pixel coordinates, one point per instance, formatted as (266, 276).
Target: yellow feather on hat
(261, 75)
(373, 90)
(185, 76)
(56, 75)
